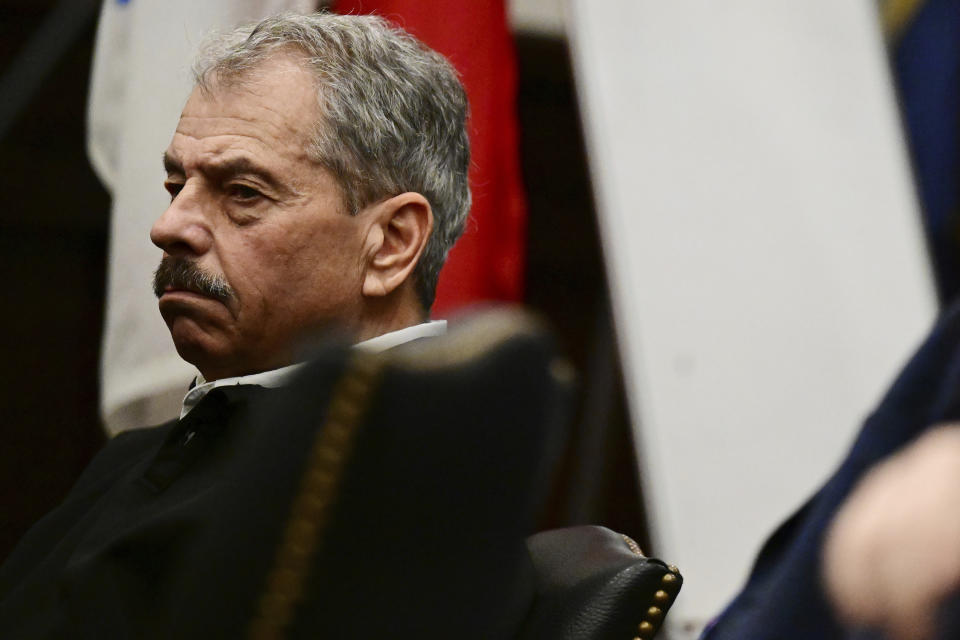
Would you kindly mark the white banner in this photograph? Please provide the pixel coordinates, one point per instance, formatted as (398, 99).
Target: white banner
(141, 79)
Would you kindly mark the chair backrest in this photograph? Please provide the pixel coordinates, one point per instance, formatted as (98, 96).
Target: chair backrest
(388, 495)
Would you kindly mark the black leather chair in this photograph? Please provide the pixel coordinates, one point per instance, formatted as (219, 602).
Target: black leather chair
(393, 495)
(455, 445)
(595, 584)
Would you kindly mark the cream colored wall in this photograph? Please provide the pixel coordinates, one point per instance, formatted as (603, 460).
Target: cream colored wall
(766, 263)
(544, 17)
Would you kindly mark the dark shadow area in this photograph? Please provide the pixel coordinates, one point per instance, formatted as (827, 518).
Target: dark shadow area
(567, 284)
(53, 239)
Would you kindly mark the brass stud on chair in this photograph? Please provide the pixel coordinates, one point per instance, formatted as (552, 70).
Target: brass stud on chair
(672, 568)
(662, 599)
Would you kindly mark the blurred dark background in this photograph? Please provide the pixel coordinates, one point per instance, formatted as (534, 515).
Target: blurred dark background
(53, 244)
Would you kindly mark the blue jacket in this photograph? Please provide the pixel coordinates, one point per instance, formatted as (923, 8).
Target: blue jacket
(783, 597)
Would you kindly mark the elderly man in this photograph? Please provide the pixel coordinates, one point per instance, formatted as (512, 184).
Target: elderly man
(318, 178)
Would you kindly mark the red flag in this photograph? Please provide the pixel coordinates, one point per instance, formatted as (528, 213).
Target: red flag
(488, 261)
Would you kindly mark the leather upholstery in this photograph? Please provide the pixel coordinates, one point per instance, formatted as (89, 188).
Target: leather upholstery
(593, 585)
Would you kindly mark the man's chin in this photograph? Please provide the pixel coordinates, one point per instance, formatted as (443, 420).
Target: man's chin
(198, 338)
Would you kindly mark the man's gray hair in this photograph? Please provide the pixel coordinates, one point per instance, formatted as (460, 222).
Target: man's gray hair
(392, 114)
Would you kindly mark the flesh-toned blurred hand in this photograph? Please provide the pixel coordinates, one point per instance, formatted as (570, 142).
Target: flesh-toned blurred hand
(893, 551)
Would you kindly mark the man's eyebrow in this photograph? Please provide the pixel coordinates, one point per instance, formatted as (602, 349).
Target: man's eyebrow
(236, 166)
(171, 164)
(222, 169)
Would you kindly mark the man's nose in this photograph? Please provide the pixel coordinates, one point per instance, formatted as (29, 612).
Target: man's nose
(183, 229)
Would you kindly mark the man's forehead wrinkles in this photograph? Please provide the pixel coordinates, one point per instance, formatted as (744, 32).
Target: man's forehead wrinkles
(287, 122)
(203, 138)
(206, 126)
(212, 151)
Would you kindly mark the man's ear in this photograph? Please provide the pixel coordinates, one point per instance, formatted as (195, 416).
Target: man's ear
(395, 240)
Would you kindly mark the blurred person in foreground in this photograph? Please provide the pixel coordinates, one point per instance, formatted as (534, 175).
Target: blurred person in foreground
(892, 554)
(875, 553)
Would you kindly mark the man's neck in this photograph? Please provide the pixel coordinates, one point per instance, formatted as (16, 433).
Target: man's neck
(390, 318)
(280, 376)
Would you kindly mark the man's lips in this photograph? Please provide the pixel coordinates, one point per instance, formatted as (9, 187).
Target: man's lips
(174, 291)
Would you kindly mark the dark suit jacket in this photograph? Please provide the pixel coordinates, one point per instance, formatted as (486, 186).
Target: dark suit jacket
(174, 531)
(96, 562)
(783, 597)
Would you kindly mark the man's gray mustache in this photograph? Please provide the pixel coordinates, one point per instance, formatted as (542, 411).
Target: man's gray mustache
(178, 273)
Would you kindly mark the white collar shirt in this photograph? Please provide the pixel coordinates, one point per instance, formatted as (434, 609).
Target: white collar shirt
(279, 377)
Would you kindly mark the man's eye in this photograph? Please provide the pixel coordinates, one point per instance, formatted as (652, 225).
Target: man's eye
(243, 192)
(173, 188)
